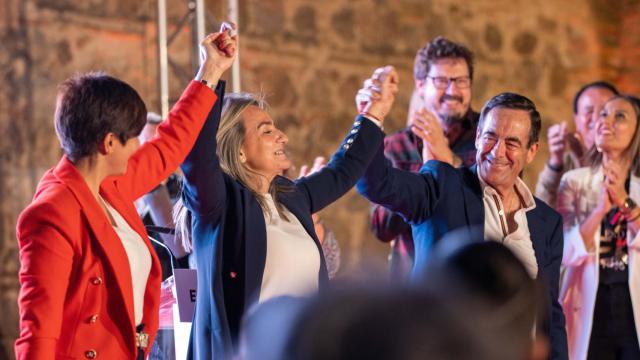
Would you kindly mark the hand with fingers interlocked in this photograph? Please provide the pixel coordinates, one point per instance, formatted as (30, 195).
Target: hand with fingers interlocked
(218, 51)
(377, 95)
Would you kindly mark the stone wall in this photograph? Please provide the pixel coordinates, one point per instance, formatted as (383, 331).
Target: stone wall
(309, 58)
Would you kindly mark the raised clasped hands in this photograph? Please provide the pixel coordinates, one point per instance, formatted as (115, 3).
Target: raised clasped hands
(377, 95)
(218, 50)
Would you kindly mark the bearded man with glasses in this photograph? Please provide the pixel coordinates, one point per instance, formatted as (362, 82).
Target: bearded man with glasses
(443, 72)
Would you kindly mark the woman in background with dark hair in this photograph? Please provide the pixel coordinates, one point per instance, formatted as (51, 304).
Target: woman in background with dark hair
(600, 290)
(90, 281)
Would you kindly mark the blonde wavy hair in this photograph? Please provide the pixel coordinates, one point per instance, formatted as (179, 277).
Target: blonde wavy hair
(230, 137)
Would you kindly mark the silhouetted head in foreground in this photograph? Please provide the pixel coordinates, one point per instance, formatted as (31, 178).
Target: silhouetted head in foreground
(485, 281)
(366, 323)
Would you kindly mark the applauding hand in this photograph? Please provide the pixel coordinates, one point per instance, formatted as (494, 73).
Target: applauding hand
(435, 143)
(557, 140)
(614, 182)
(318, 163)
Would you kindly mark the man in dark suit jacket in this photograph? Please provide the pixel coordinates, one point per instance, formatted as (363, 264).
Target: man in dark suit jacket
(490, 194)
(443, 74)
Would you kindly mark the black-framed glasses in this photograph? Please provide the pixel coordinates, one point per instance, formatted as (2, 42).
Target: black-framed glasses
(442, 82)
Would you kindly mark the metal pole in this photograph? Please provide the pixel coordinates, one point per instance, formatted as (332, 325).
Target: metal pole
(200, 11)
(235, 68)
(163, 58)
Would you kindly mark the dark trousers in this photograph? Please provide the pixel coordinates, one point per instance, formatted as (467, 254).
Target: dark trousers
(613, 334)
(163, 347)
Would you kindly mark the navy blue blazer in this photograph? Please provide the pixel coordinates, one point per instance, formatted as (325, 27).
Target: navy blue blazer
(229, 232)
(441, 198)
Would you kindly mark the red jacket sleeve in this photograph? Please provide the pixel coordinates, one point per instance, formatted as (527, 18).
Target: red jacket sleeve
(158, 158)
(46, 258)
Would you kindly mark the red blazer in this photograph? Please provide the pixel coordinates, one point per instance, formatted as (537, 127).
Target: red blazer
(76, 297)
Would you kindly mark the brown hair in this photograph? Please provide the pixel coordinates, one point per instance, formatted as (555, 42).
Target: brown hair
(514, 101)
(91, 105)
(440, 48)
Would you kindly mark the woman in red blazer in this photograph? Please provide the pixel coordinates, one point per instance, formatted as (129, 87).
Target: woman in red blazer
(90, 281)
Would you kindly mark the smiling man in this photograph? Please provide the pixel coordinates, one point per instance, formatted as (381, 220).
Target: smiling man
(443, 73)
(489, 195)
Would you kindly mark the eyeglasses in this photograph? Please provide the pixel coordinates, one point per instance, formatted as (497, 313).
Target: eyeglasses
(442, 82)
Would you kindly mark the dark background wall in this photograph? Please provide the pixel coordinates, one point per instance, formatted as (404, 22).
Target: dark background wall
(309, 57)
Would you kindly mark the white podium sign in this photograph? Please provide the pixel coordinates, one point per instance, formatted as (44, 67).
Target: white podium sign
(186, 284)
(186, 281)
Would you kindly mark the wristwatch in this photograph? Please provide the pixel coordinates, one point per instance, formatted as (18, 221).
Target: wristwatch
(628, 205)
(206, 83)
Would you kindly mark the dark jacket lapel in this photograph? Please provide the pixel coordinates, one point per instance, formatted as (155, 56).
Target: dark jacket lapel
(536, 225)
(474, 203)
(298, 207)
(255, 248)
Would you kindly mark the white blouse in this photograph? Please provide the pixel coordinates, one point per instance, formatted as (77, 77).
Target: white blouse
(139, 259)
(292, 264)
(496, 228)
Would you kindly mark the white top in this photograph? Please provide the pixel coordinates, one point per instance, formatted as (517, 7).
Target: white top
(292, 265)
(496, 225)
(139, 259)
(577, 197)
